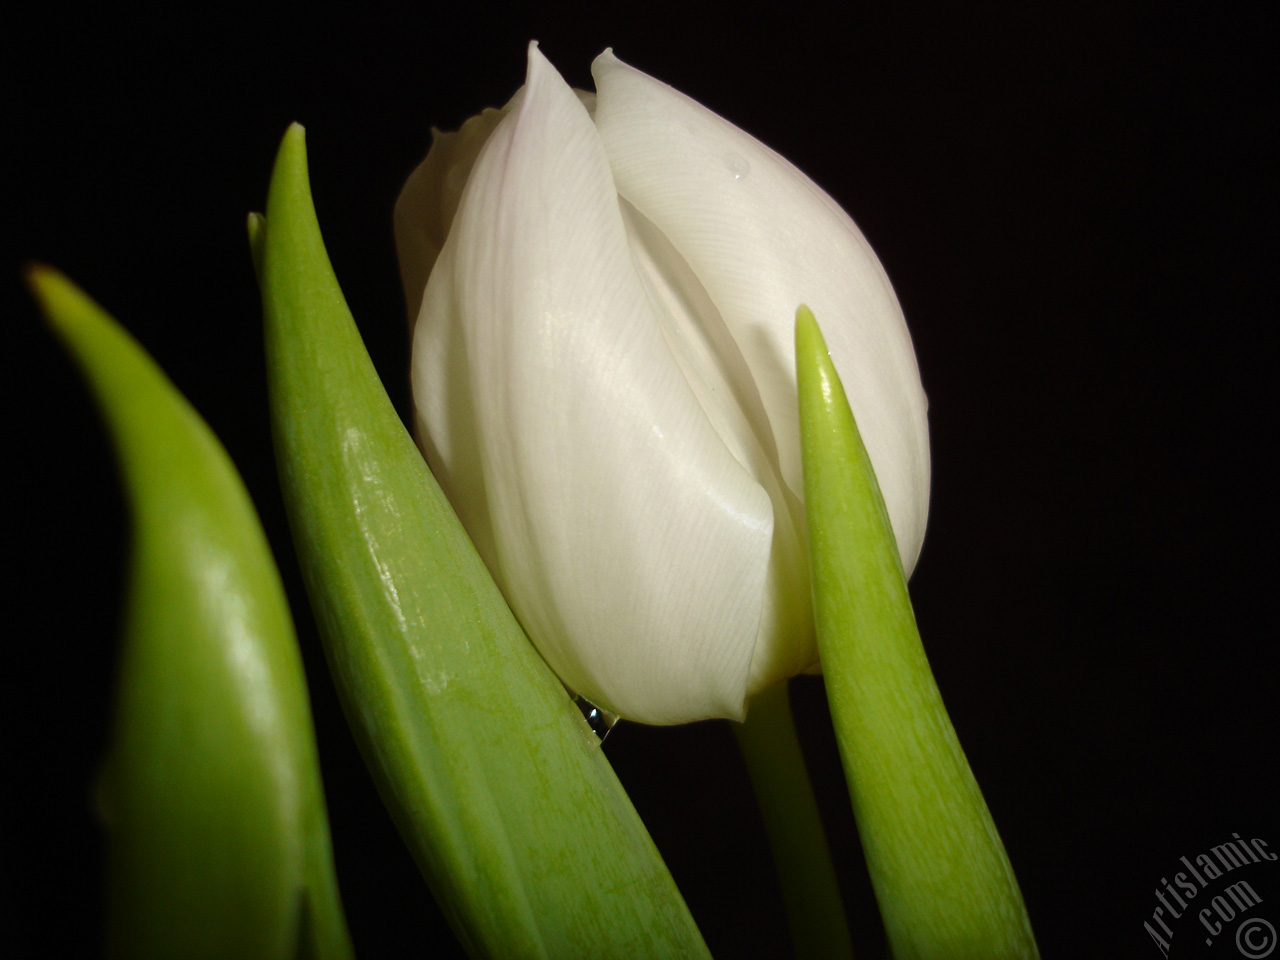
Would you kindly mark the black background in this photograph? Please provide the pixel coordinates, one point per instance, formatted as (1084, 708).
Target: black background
(1070, 200)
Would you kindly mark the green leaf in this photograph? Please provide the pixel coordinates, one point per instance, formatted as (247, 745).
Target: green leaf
(941, 875)
(493, 777)
(218, 840)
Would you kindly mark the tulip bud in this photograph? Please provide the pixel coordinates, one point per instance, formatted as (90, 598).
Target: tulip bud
(603, 290)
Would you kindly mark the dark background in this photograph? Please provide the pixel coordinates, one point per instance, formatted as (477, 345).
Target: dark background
(1070, 200)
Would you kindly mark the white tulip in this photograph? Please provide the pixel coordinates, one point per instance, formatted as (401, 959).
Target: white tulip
(603, 376)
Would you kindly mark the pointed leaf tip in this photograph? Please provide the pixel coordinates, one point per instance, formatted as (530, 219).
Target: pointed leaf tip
(256, 225)
(60, 300)
(810, 343)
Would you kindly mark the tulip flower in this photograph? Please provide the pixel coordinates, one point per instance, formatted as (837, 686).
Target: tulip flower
(602, 288)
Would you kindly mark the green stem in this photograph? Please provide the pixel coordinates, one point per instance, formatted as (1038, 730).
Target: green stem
(809, 890)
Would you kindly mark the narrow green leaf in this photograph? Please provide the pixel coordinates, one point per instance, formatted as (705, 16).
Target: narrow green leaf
(495, 780)
(218, 840)
(942, 878)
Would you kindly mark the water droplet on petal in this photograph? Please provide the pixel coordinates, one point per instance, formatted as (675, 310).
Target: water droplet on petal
(737, 165)
(600, 720)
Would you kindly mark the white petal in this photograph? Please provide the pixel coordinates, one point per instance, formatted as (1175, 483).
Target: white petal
(722, 381)
(429, 199)
(627, 538)
(763, 238)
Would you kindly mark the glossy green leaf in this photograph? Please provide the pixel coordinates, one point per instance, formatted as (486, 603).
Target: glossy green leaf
(941, 876)
(496, 782)
(218, 840)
